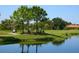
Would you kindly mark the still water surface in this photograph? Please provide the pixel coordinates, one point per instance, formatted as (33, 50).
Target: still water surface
(71, 45)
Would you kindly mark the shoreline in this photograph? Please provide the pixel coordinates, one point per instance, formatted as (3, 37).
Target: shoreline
(55, 35)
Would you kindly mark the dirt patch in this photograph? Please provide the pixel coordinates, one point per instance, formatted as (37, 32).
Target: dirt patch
(14, 33)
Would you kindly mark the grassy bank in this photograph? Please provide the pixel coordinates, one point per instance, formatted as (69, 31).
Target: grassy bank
(53, 35)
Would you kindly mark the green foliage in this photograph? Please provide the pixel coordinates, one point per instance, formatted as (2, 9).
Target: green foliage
(22, 17)
(7, 24)
(59, 23)
(39, 14)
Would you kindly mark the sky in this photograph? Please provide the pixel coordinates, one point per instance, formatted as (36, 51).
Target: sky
(68, 13)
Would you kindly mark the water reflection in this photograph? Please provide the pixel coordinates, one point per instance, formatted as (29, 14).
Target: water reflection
(39, 43)
(27, 45)
(22, 46)
(36, 48)
(57, 43)
(8, 40)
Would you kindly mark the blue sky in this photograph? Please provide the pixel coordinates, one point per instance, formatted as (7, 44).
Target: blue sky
(67, 12)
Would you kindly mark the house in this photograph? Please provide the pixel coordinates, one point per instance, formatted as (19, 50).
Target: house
(73, 26)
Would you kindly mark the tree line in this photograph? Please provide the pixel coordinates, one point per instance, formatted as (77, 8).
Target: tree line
(29, 19)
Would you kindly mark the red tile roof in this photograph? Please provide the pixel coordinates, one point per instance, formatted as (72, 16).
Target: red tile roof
(73, 26)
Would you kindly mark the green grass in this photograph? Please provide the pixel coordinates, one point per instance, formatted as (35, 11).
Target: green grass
(55, 35)
(63, 33)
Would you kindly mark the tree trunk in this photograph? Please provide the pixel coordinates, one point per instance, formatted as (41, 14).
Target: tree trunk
(22, 24)
(13, 27)
(37, 28)
(28, 30)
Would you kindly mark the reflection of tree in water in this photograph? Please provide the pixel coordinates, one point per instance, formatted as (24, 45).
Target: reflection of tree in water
(8, 40)
(22, 48)
(28, 47)
(59, 42)
(37, 48)
(56, 42)
(38, 43)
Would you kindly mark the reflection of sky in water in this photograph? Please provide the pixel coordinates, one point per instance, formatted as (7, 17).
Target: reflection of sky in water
(70, 45)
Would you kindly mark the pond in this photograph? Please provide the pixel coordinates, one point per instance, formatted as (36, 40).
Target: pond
(70, 45)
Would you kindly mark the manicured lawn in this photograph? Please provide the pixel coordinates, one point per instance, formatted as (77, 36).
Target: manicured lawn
(53, 34)
(63, 33)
